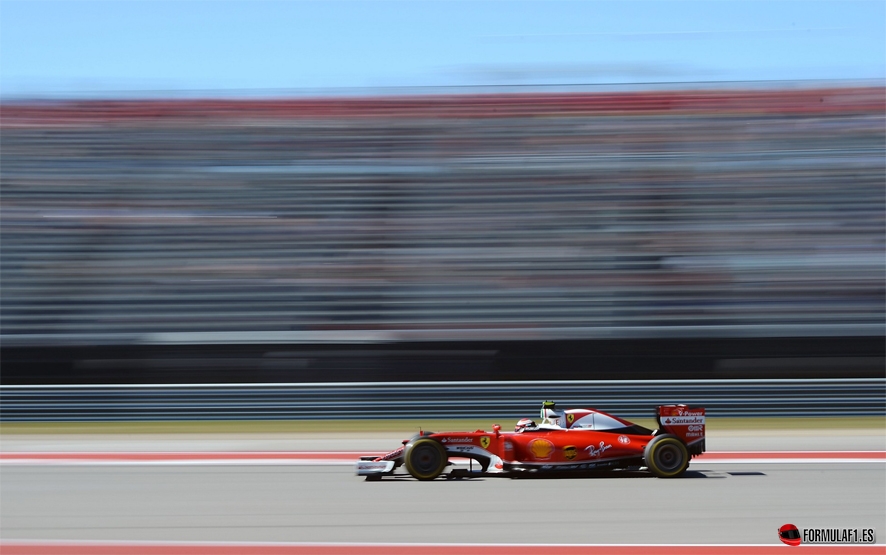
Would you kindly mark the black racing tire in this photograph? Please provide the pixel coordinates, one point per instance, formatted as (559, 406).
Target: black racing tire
(666, 456)
(425, 458)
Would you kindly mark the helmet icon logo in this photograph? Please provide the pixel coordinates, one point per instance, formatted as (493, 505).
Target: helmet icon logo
(790, 535)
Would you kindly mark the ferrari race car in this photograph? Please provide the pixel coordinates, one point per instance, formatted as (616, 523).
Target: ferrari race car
(564, 440)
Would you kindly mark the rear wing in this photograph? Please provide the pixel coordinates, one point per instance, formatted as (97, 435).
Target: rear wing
(684, 422)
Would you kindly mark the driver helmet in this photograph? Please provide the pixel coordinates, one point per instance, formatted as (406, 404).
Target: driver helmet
(524, 423)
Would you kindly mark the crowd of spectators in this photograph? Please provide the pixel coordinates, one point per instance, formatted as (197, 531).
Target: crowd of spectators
(459, 217)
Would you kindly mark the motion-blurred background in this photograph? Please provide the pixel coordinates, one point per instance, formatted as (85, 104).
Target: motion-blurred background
(313, 192)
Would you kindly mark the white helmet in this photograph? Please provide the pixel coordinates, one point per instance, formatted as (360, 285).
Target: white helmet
(524, 423)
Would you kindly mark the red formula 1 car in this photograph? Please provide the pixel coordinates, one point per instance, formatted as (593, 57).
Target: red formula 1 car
(565, 440)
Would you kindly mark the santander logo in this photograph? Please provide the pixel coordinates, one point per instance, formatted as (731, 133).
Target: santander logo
(457, 440)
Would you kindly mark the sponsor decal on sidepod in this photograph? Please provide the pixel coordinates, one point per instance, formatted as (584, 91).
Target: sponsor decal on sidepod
(541, 448)
(595, 452)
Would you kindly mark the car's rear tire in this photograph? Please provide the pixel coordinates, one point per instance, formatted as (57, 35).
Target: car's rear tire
(666, 456)
(425, 458)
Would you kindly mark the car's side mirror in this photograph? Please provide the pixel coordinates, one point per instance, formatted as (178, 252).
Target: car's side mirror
(497, 429)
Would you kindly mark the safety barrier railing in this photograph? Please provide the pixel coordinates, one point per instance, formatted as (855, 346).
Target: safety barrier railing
(388, 400)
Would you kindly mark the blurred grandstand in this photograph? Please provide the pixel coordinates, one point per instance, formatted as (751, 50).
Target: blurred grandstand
(756, 213)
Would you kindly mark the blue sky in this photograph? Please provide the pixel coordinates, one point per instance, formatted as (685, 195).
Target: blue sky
(107, 48)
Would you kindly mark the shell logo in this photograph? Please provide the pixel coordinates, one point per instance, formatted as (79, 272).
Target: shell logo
(541, 448)
(484, 442)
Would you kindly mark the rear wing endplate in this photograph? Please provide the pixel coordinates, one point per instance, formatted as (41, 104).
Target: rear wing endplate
(687, 423)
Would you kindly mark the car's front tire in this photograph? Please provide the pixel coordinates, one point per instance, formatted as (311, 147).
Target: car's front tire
(666, 456)
(425, 458)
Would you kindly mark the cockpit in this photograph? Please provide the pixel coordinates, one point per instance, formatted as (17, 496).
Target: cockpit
(577, 419)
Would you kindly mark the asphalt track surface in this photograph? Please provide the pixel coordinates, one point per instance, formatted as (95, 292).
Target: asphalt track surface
(323, 507)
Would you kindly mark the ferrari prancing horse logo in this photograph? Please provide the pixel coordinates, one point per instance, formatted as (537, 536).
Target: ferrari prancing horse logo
(484, 442)
(570, 418)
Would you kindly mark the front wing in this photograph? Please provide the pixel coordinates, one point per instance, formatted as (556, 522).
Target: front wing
(375, 468)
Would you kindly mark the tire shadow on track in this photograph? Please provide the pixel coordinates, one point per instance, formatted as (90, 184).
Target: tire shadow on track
(573, 475)
(623, 474)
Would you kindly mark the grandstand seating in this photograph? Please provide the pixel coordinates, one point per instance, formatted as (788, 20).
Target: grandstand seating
(445, 217)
